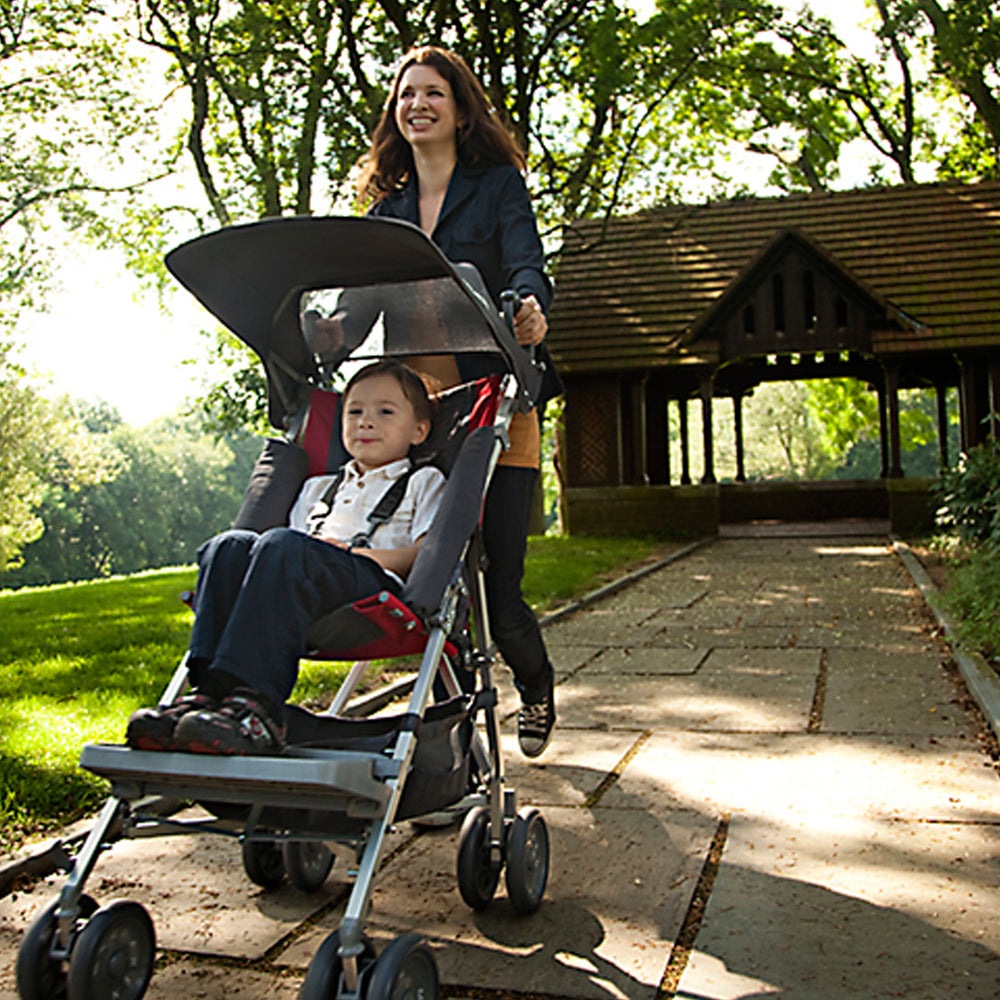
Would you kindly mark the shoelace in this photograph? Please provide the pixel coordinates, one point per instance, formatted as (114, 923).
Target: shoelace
(535, 716)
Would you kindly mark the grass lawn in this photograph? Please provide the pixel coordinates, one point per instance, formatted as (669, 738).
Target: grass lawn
(77, 659)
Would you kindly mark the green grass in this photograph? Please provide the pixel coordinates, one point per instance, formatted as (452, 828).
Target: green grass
(77, 659)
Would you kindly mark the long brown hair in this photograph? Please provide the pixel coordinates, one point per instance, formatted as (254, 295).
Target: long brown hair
(482, 138)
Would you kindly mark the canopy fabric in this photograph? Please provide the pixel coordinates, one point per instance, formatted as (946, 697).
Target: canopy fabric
(254, 277)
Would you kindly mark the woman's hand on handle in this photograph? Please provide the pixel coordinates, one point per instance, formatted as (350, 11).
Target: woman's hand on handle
(530, 324)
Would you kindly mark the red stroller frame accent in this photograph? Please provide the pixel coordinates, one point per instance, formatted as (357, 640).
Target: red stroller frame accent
(341, 782)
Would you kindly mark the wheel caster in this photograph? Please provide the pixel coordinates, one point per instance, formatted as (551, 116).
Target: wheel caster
(307, 864)
(527, 861)
(406, 970)
(264, 863)
(113, 956)
(478, 874)
(323, 977)
(39, 976)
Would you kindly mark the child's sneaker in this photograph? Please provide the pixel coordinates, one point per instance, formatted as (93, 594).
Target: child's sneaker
(241, 725)
(154, 728)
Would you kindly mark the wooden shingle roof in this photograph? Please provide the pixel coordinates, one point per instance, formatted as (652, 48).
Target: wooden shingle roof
(633, 292)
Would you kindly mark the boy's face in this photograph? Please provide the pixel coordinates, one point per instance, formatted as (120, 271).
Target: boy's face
(379, 424)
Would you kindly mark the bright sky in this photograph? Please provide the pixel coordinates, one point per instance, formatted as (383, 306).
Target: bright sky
(104, 338)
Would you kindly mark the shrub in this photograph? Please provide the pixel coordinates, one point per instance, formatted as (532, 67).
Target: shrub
(970, 497)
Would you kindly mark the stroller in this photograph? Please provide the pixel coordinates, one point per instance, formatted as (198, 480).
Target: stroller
(314, 297)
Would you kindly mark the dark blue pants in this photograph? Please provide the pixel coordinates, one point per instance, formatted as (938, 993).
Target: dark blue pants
(257, 595)
(513, 624)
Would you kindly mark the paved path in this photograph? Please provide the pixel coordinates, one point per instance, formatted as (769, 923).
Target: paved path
(765, 782)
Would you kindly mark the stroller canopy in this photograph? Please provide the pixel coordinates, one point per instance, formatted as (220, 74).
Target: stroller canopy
(281, 284)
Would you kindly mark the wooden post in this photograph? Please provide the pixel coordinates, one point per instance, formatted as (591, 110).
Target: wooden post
(706, 429)
(741, 476)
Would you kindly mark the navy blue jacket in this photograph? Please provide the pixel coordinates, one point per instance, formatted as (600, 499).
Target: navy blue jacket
(486, 219)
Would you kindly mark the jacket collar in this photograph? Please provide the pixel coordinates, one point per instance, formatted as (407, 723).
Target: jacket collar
(461, 187)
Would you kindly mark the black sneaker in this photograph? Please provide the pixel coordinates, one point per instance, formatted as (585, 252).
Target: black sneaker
(241, 725)
(153, 728)
(535, 723)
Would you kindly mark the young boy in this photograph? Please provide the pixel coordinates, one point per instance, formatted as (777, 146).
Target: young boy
(258, 594)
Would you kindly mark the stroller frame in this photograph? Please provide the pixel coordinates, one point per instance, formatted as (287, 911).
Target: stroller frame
(292, 811)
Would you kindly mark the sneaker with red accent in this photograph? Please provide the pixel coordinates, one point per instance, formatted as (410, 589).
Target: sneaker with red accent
(154, 728)
(241, 725)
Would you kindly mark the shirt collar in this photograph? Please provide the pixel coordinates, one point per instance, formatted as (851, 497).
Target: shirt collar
(392, 471)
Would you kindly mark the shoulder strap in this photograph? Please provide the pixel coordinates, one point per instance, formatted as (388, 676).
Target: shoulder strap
(322, 507)
(382, 511)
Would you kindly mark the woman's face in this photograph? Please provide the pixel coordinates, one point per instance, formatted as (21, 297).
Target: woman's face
(426, 112)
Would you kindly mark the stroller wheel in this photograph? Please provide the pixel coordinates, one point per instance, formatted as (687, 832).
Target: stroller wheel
(478, 874)
(322, 980)
(405, 970)
(307, 864)
(264, 863)
(113, 955)
(527, 861)
(39, 976)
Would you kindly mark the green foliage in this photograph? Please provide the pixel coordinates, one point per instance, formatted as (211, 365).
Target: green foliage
(970, 511)
(235, 388)
(41, 448)
(973, 596)
(70, 123)
(970, 498)
(171, 487)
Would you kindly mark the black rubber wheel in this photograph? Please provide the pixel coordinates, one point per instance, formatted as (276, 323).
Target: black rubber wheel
(113, 955)
(406, 970)
(307, 864)
(264, 863)
(527, 861)
(39, 977)
(478, 875)
(322, 980)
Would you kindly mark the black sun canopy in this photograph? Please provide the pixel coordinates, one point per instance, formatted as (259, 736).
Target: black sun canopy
(380, 283)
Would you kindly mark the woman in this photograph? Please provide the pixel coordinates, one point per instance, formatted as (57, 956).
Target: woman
(439, 158)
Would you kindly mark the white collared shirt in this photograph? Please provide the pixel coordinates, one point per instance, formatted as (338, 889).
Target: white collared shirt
(358, 495)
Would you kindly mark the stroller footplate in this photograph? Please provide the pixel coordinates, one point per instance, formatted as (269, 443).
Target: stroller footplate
(331, 778)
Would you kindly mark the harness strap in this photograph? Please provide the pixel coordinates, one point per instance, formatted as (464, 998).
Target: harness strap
(380, 514)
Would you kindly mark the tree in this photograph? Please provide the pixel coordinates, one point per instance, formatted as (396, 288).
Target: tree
(966, 52)
(40, 449)
(172, 487)
(69, 123)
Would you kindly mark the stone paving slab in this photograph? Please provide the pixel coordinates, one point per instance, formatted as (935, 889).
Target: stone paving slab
(907, 913)
(189, 980)
(643, 661)
(568, 658)
(834, 782)
(599, 628)
(866, 706)
(620, 885)
(572, 769)
(761, 663)
(749, 702)
(205, 905)
(679, 635)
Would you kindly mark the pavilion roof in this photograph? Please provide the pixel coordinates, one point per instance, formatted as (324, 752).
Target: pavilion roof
(637, 291)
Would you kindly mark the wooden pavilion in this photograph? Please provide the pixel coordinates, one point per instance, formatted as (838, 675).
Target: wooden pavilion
(898, 287)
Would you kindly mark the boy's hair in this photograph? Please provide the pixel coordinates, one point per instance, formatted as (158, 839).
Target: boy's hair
(413, 386)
